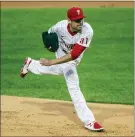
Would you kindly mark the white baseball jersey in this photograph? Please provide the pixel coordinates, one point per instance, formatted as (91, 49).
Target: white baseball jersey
(68, 69)
(67, 41)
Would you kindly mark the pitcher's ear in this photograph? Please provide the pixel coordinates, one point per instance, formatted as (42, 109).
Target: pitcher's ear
(69, 21)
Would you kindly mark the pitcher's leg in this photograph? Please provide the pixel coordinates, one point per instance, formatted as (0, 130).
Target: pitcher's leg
(72, 80)
(35, 67)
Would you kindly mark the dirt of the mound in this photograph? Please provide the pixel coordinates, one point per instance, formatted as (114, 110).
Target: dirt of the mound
(67, 4)
(40, 117)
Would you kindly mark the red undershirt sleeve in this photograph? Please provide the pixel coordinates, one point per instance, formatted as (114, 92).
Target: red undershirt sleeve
(76, 51)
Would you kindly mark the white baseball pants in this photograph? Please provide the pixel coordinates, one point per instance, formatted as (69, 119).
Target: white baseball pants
(70, 74)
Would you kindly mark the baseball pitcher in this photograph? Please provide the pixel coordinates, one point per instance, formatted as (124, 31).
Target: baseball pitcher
(69, 39)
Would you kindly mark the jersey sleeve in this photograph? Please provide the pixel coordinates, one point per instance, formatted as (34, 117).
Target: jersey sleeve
(53, 29)
(56, 27)
(85, 39)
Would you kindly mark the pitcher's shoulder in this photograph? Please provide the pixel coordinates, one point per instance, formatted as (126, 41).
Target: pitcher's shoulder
(62, 23)
(87, 28)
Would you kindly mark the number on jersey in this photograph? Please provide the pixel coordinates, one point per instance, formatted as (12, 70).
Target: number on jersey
(84, 40)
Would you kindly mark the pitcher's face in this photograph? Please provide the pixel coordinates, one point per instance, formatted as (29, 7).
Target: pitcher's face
(76, 25)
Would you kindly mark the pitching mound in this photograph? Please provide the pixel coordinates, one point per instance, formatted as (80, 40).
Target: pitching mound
(40, 117)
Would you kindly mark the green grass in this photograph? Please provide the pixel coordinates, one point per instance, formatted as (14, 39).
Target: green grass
(106, 71)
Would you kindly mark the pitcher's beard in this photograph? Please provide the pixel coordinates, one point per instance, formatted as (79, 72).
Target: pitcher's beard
(78, 30)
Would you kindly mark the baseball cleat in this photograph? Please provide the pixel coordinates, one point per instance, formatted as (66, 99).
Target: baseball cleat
(95, 126)
(24, 69)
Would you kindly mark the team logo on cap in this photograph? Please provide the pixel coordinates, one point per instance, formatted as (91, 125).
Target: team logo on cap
(78, 12)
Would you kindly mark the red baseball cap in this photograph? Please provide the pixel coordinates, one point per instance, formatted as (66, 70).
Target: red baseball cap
(75, 13)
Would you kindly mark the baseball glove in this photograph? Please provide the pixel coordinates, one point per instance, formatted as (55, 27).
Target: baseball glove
(50, 41)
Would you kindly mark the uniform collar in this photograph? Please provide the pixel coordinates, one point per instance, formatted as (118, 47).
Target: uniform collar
(72, 33)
